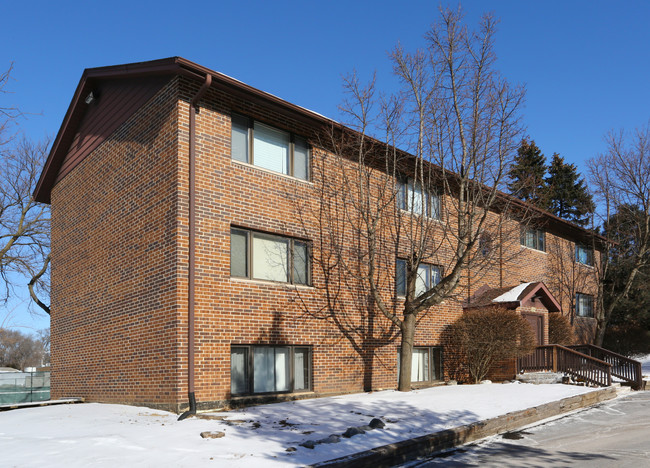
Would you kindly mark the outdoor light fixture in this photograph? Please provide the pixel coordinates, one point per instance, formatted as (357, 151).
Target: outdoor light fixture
(90, 98)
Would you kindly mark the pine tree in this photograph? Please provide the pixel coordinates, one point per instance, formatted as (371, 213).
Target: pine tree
(527, 174)
(566, 193)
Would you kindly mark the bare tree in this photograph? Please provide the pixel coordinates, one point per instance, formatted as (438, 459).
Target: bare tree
(24, 223)
(569, 276)
(621, 180)
(18, 350)
(417, 217)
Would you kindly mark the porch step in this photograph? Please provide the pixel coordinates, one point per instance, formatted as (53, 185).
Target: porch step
(540, 377)
(621, 389)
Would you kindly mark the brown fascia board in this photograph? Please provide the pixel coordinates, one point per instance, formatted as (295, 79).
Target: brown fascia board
(548, 300)
(184, 67)
(168, 66)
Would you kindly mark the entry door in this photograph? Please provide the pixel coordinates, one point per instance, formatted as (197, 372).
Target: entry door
(537, 324)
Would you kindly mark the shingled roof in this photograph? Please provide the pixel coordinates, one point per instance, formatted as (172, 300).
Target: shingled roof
(513, 296)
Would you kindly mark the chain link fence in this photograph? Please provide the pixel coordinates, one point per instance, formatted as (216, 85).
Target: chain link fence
(24, 387)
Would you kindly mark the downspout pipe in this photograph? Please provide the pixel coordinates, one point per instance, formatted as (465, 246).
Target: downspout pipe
(191, 273)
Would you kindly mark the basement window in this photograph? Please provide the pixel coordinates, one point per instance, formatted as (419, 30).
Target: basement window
(270, 369)
(426, 365)
(268, 147)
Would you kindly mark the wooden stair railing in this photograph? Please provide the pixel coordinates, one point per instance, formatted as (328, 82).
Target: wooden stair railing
(623, 367)
(558, 358)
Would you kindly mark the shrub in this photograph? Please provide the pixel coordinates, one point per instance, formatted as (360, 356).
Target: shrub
(560, 330)
(482, 337)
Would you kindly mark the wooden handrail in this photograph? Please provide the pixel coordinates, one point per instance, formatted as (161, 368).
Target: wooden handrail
(558, 358)
(623, 367)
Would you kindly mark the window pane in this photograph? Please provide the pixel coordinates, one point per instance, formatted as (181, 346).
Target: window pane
(434, 206)
(300, 158)
(414, 198)
(436, 275)
(301, 369)
(271, 150)
(420, 365)
(540, 240)
(435, 365)
(263, 370)
(281, 369)
(300, 263)
(270, 258)
(239, 141)
(238, 253)
(400, 278)
(423, 280)
(238, 371)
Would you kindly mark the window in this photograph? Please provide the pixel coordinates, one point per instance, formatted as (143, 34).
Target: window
(268, 257)
(269, 369)
(584, 255)
(426, 364)
(428, 277)
(416, 200)
(485, 244)
(533, 238)
(268, 147)
(584, 305)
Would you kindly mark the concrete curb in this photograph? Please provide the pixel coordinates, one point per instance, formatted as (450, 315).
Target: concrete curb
(401, 452)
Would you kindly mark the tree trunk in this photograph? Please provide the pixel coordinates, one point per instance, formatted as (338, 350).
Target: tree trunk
(406, 353)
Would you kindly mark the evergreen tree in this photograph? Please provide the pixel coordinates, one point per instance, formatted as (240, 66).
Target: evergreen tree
(527, 174)
(566, 193)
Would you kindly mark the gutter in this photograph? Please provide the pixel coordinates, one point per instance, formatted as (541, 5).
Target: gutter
(192, 248)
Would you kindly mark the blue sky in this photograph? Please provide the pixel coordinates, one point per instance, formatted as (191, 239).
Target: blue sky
(586, 64)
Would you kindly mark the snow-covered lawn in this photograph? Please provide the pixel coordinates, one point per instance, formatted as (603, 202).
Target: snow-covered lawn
(94, 434)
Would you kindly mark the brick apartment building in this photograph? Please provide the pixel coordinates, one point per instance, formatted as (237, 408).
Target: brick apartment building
(146, 309)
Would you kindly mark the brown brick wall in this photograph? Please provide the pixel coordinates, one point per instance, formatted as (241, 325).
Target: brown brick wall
(119, 274)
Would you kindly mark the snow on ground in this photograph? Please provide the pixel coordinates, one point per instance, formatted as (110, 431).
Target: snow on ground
(97, 435)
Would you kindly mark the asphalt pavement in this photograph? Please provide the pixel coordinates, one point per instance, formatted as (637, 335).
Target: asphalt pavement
(612, 433)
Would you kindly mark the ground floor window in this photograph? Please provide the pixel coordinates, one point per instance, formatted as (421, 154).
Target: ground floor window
(269, 369)
(426, 365)
(584, 305)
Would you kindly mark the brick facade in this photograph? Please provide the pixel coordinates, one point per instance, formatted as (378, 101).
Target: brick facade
(119, 266)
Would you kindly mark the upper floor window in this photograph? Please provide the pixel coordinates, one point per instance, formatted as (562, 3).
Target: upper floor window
(268, 147)
(428, 276)
(268, 257)
(584, 305)
(533, 238)
(413, 198)
(584, 255)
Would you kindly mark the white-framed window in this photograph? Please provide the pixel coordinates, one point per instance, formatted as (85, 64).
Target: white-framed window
(415, 199)
(428, 276)
(584, 305)
(533, 238)
(269, 369)
(257, 255)
(426, 364)
(268, 147)
(584, 255)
